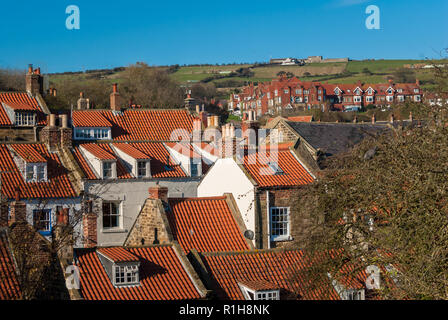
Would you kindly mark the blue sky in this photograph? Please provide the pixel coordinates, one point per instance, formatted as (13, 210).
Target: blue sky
(185, 32)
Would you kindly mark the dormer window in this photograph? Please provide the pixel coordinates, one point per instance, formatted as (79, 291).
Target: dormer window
(259, 290)
(84, 133)
(354, 295)
(141, 169)
(121, 266)
(107, 170)
(24, 119)
(416, 90)
(126, 274)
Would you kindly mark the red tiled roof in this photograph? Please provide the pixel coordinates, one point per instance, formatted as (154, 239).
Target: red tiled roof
(162, 277)
(280, 268)
(98, 152)
(139, 125)
(9, 285)
(184, 149)
(57, 186)
(158, 153)
(83, 164)
(131, 151)
(259, 285)
(205, 224)
(118, 254)
(301, 119)
(208, 147)
(91, 118)
(28, 153)
(294, 174)
(19, 101)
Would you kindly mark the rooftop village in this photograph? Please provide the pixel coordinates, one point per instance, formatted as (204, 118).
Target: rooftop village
(159, 204)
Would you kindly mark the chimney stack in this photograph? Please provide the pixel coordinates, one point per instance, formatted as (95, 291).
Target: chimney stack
(392, 118)
(65, 132)
(34, 81)
(18, 209)
(411, 118)
(373, 119)
(417, 82)
(115, 98)
(50, 135)
(158, 192)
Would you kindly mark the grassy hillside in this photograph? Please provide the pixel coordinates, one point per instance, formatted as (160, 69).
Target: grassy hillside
(231, 76)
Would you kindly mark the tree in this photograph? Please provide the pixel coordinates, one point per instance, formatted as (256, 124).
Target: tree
(12, 80)
(385, 204)
(150, 87)
(403, 75)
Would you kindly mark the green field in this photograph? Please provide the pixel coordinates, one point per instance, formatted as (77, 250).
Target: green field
(337, 72)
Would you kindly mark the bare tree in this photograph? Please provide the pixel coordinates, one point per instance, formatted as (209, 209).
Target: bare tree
(385, 204)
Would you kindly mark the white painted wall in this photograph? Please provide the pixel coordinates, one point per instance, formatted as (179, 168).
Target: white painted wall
(74, 204)
(227, 177)
(131, 194)
(93, 161)
(185, 160)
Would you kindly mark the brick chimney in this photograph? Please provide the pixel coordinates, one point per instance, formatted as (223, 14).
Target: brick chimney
(115, 99)
(82, 102)
(3, 211)
(373, 119)
(34, 81)
(417, 82)
(17, 211)
(63, 233)
(65, 132)
(89, 229)
(158, 192)
(50, 135)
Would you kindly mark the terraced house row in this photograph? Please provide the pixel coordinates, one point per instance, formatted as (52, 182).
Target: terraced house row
(150, 210)
(293, 94)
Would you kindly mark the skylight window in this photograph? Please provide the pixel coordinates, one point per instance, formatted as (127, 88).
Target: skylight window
(275, 168)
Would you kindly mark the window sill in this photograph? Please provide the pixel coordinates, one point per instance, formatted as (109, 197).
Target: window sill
(114, 230)
(282, 238)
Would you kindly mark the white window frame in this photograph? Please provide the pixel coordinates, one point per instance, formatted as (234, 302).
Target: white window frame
(280, 237)
(126, 274)
(103, 170)
(354, 294)
(259, 295)
(141, 167)
(114, 214)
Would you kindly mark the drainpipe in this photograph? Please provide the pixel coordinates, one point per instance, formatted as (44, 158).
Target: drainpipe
(268, 219)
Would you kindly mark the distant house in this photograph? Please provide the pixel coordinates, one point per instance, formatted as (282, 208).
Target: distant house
(286, 61)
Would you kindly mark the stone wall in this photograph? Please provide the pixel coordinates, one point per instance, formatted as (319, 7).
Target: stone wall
(151, 226)
(299, 223)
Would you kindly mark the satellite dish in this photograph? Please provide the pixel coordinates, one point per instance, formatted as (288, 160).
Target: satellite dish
(249, 234)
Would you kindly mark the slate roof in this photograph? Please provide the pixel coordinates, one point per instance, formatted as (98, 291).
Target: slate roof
(335, 138)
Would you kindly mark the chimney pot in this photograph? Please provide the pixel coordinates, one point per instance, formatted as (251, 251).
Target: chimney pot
(52, 120)
(30, 68)
(115, 88)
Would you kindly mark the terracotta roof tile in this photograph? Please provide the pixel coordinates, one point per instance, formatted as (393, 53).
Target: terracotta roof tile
(57, 186)
(19, 101)
(162, 277)
(280, 268)
(185, 149)
(28, 153)
(293, 173)
(205, 224)
(131, 151)
(9, 285)
(118, 254)
(98, 151)
(140, 124)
